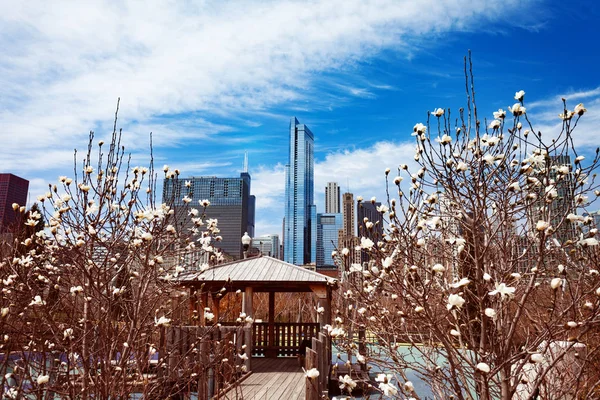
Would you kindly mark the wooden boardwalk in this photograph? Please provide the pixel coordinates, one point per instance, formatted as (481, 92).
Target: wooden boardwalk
(271, 379)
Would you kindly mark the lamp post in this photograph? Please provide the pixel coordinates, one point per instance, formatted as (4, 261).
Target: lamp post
(246, 240)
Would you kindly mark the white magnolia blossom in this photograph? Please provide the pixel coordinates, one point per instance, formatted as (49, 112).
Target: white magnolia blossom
(502, 290)
(483, 367)
(438, 268)
(519, 95)
(162, 321)
(42, 379)
(542, 225)
(455, 301)
(490, 312)
(347, 383)
(556, 283)
(445, 139)
(311, 373)
(462, 282)
(366, 243)
(438, 112)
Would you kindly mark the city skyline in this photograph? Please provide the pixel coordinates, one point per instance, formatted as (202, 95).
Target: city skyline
(361, 74)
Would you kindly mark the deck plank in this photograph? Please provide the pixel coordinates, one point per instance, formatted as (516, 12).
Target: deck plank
(272, 379)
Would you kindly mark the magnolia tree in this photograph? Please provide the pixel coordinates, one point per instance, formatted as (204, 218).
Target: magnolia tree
(86, 284)
(485, 283)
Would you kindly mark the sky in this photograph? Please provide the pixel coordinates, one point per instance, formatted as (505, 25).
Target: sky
(212, 80)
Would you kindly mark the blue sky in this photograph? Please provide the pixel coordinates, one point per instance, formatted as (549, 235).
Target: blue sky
(214, 79)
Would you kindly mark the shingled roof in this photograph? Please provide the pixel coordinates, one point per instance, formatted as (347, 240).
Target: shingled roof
(259, 272)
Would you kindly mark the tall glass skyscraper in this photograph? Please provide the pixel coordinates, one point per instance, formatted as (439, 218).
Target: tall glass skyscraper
(328, 226)
(300, 228)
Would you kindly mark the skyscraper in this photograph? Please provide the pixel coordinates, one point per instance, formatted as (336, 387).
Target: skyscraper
(230, 203)
(367, 212)
(300, 230)
(348, 211)
(328, 225)
(332, 198)
(12, 190)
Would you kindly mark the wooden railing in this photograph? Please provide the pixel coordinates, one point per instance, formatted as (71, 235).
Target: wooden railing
(285, 340)
(318, 356)
(211, 353)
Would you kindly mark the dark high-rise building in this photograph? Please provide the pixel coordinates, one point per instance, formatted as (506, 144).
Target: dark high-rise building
(300, 230)
(332, 198)
(12, 190)
(230, 203)
(366, 215)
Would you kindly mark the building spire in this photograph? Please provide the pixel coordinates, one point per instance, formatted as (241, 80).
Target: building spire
(245, 165)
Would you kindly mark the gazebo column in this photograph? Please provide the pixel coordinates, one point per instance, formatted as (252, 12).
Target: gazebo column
(324, 296)
(203, 304)
(248, 309)
(193, 311)
(272, 350)
(216, 300)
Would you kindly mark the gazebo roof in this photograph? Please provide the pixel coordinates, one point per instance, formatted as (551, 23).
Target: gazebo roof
(262, 273)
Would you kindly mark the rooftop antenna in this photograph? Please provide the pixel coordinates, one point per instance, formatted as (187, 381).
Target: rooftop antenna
(245, 166)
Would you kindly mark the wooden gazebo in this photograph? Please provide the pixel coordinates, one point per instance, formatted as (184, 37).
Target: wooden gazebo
(262, 274)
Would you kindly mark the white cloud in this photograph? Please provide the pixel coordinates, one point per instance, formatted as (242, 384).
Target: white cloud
(64, 64)
(544, 115)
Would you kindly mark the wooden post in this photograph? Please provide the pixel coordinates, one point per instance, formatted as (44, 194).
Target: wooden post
(193, 312)
(327, 306)
(317, 346)
(312, 384)
(203, 304)
(216, 300)
(248, 339)
(272, 351)
(325, 360)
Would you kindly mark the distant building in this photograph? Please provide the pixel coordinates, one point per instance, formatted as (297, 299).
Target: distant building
(328, 226)
(267, 245)
(562, 205)
(332, 198)
(595, 221)
(230, 203)
(348, 212)
(367, 212)
(12, 190)
(300, 229)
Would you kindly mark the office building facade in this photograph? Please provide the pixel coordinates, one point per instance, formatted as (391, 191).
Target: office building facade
(230, 203)
(332, 198)
(13, 189)
(366, 212)
(300, 228)
(349, 216)
(328, 226)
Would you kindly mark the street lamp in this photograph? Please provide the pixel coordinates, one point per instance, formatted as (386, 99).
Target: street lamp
(246, 240)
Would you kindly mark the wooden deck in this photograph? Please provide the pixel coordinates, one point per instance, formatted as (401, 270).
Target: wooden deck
(271, 379)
